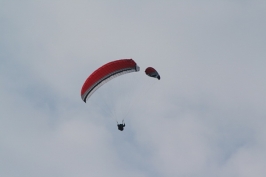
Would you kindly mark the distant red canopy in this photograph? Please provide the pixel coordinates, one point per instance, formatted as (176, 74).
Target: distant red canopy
(150, 71)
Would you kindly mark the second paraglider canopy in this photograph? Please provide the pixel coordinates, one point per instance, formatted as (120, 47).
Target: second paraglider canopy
(150, 71)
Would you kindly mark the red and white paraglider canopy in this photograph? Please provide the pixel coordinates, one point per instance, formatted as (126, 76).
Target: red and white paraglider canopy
(105, 73)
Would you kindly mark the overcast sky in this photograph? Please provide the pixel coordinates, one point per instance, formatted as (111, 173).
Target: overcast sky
(204, 118)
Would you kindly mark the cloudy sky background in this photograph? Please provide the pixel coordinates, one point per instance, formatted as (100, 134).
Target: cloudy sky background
(204, 118)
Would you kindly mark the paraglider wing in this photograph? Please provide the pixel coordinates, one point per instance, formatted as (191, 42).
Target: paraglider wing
(150, 71)
(105, 73)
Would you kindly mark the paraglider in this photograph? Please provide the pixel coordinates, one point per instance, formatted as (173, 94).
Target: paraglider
(106, 73)
(150, 71)
(121, 126)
